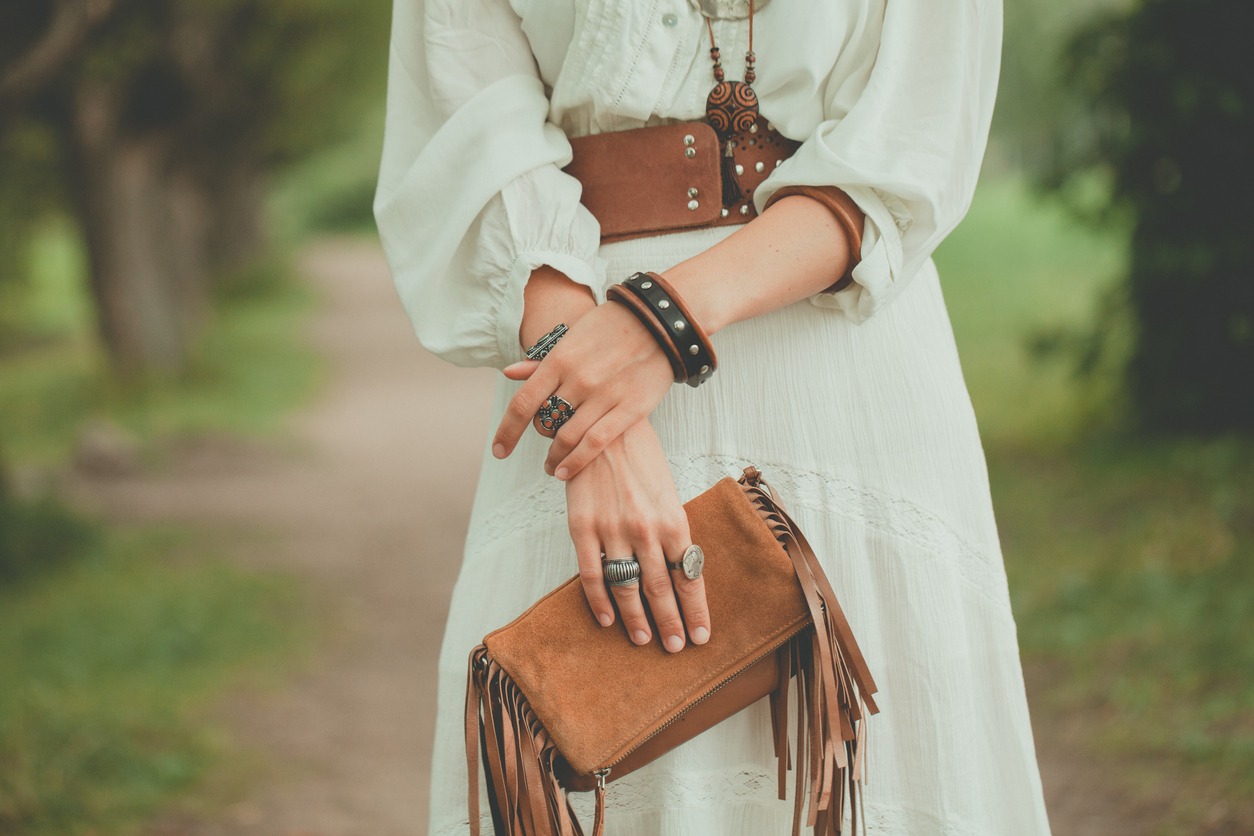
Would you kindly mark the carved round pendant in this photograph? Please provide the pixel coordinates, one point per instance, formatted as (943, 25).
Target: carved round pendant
(732, 107)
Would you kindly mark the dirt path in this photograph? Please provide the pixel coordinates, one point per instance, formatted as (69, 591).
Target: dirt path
(370, 501)
(369, 498)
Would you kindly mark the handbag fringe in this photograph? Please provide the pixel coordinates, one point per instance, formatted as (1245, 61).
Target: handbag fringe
(834, 697)
(834, 688)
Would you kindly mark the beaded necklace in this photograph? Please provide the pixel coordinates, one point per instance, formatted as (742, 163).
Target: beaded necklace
(731, 109)
(732, 106)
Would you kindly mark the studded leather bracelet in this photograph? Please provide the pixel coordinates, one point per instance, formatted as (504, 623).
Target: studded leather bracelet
(668, 319)
(623, 296)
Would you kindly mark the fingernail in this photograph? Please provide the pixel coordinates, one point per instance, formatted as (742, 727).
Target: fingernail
(511, 366)
(498, 450)
(700, 635)
(674, 644)
(640, 637)
(606, 619)
(562, 473)
(548, 468)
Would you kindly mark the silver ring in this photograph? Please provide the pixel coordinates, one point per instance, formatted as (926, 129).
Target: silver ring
(546, 343)
(621, 571)
(691, 564)
(550, 417)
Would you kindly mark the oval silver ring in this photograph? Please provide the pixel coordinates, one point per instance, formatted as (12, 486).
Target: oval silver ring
(691, 564)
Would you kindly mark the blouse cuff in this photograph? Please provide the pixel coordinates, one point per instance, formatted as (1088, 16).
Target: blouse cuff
(876, 276)
(537, 220)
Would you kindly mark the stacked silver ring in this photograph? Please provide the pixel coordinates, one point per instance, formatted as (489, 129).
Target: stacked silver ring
(624, 571)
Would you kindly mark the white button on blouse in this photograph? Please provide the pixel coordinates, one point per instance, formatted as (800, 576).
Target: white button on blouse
(891, 99)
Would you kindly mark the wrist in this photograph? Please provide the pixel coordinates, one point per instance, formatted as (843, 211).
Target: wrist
(796, 248)
(713, 308)
(549, 298)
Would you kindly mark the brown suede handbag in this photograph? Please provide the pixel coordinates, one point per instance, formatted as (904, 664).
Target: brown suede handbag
(557, 703)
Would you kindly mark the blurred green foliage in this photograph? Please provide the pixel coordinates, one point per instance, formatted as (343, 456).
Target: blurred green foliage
(1037, 106)
(108, 668)
(332, 190)
(1170, 87)
(156, 125)
(37, 536)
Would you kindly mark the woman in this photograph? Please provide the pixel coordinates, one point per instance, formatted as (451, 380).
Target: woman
(849, 396)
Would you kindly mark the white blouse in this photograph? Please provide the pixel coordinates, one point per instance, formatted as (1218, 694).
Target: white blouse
(891, 98)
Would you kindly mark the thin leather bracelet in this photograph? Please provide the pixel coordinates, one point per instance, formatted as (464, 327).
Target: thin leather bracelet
(642, 312)
(682, 330)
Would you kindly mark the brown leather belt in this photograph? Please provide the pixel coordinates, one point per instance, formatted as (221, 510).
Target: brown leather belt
(673, 178)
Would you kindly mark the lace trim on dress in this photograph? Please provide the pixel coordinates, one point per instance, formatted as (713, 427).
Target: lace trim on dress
(981, 571)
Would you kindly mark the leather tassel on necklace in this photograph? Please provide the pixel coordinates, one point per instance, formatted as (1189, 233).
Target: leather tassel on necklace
(731, 109)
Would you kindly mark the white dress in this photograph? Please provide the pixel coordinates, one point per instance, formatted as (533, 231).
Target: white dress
(875, 450)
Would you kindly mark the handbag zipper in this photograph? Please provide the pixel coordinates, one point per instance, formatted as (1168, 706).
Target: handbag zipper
(603, 773)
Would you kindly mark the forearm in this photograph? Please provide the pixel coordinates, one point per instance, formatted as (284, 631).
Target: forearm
(550, 298)
(793, 250)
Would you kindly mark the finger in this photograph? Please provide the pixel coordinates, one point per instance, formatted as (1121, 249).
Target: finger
(655, 582)
(569, 435)
(591, 578)
(521, 409)
(595, 438)
(521, 370)
(630, 605)
(691, 593)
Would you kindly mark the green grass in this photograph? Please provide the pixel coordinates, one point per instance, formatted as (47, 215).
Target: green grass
(249, 370)
(1131, 560)
(108, 668)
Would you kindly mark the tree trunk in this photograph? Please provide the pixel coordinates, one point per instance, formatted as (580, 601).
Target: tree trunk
(145, 222)
(237, 233)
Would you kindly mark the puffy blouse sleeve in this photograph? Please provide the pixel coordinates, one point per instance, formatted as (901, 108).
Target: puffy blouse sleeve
(471, 195)
(904, 131)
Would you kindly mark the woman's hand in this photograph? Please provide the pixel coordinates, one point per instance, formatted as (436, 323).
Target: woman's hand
(622, 504)
(609, 368)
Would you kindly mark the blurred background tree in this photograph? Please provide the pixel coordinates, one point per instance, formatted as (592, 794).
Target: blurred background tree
(1170, 86)
(156, 125)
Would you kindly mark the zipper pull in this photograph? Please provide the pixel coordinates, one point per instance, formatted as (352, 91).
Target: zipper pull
(598, 823)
